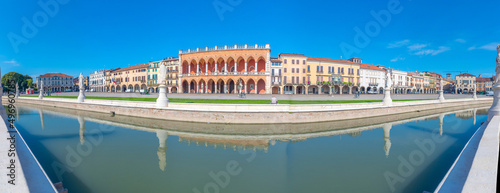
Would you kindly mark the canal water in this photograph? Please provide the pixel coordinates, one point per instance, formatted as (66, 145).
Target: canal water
(96, 152)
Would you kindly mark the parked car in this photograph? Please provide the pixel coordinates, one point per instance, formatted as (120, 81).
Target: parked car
(372, 92)
(128, 90)
(489, 93)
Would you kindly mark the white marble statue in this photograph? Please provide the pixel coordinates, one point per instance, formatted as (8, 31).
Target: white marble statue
(388, 80)
(162, 75)
(162, 100)
(441, 83)
(40, 88)
(81, 95)
(80, 81)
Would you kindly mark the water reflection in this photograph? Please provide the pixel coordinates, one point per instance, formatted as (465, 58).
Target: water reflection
(42, 119)
(81, 121)
(224, 136)
(162, 149)
(387, 138)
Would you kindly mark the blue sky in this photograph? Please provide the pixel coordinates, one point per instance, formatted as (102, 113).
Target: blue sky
(82, 36)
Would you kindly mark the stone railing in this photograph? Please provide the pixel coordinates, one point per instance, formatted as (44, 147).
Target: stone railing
(223, 74)
(226, 47)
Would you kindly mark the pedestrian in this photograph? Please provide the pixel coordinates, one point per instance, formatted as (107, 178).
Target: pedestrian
(274, 100)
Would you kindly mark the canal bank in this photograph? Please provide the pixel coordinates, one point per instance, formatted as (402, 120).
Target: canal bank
(251, 113)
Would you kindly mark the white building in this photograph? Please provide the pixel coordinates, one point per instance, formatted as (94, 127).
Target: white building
(55, 82)
(399, 78)
(97, 81)
(276, 69)
(372, 78)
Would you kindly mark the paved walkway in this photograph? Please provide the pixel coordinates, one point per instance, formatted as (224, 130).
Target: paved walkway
(280, 97)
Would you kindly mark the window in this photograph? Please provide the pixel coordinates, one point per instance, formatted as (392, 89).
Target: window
(329, 69)
(293, 80)
(298, 71)
(285, 63)
(339, 70)
(303, 80)
(358, 71)
(321, 68)
(304, 62)
(317, 68)
(293, 61)
(293, 70)
(284, 80)
(297, 79)
(298, 62)
(284, 70)
(308, 68)
(304, 70)
(279, 72)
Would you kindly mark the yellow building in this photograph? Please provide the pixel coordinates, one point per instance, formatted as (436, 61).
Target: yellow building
(311, 75)
(130, 79)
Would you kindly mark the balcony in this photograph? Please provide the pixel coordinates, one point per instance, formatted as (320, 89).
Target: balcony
(226, 47)
(372, 84)
(223, 74)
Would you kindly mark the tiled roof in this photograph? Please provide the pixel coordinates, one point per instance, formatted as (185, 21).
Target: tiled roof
(139, 66)
(330, 60)
(55, 74)
(369, 66)
(296, 55)
(484, 79)
(465, 74)
(112, 70)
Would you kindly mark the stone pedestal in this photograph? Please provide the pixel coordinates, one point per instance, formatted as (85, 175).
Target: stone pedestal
(387, 97)
(40, 96)
(81, 96)
(162, 100)
(495, 107)
(441, 96)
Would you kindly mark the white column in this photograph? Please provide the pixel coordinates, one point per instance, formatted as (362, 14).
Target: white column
(197, 69)
(235, 67)
(246, 69)
(256, 67)
(189, 70)
(206, 69)
(216, 64)
(225, 68)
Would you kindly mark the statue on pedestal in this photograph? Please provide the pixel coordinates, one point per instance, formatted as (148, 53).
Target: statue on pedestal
(162, 100)
(81, 96)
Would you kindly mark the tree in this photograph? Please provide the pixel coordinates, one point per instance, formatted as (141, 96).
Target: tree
(24, 81)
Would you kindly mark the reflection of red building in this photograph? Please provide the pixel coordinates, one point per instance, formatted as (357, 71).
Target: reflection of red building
(220, 69)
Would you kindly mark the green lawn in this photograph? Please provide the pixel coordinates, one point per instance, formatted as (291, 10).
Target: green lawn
(234, 101)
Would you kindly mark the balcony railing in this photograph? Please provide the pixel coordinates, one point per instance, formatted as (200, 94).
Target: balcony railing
(226, 47)
(223, 74)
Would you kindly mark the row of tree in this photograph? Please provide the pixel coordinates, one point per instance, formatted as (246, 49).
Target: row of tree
(25, 81)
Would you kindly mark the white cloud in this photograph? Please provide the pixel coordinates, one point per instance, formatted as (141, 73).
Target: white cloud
(398, 59)
(398, 44)
(432, 51)
(491, 46)
(459, 40)
(415, 47)
(11, 62)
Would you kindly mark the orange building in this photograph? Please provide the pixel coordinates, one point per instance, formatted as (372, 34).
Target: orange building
(223, 69)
